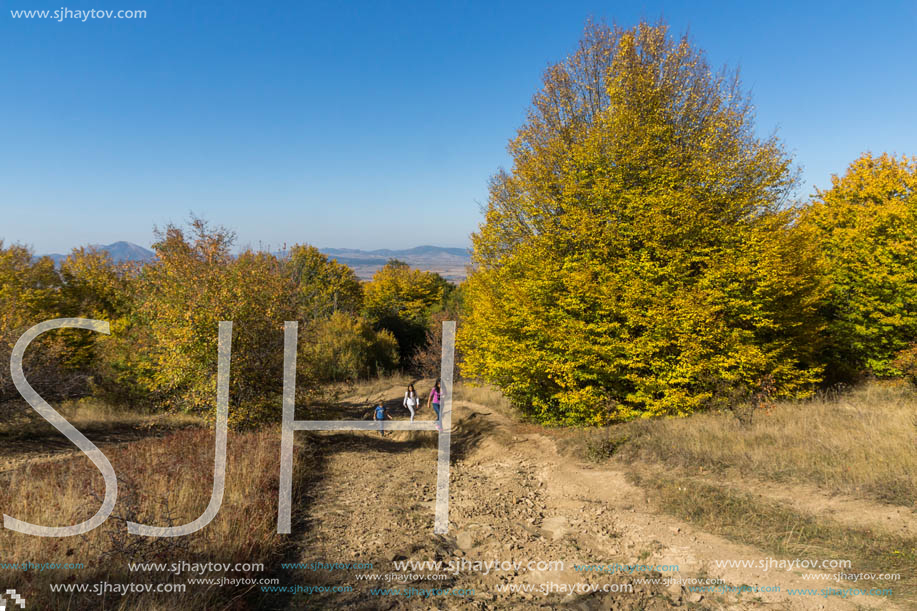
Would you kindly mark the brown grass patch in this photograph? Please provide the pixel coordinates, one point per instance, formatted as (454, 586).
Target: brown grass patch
(162, 482)
(779, 529)
(863, 443)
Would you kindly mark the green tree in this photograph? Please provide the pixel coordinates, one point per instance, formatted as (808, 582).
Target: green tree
(639, 258)
(866, 229)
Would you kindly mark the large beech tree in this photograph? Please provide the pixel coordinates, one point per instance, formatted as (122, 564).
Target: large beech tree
(640, 257)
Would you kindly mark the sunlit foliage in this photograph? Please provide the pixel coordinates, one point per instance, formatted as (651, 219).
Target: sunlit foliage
(401, 300)
(866, 227)
(638, 260)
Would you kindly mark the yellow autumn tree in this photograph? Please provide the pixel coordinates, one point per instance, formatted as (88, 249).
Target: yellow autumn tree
(866, 228)
(64, 363)
(163, 351)
(194, 283)
(640, 257)
(401, 300)
(325, 286)
(30, 294)
(93, 286)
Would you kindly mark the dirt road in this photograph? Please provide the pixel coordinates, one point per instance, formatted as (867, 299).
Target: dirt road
(514, 498)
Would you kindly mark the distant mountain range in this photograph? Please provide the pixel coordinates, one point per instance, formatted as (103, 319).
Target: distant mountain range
(410, 252)
(448, 262)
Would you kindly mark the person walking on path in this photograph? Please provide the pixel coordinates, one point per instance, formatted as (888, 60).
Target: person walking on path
(411, 401)
(380, 414)
(435, 399)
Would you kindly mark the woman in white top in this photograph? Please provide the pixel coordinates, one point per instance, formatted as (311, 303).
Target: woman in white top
(410, 400)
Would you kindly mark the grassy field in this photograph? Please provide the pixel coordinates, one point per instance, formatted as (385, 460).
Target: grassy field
(163, 480)
(89, 415)
(780, 530)
(862, 443)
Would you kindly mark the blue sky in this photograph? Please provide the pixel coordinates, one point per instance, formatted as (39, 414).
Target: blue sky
(375, 124)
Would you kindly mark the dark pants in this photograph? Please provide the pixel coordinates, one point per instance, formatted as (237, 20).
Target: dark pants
(436, 409)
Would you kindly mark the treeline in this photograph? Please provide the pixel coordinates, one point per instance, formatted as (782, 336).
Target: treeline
(163, 315)
(644, 256)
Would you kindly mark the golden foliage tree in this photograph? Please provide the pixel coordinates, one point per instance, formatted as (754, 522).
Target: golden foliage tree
(29, 294)
(194, 283)
(638, 259)
(93, 286)
(866, 228)
(343, 347)
(163, 354)
(325, 286)
(401, 300)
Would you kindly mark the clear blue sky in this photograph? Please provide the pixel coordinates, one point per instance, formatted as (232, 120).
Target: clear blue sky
(375, 124)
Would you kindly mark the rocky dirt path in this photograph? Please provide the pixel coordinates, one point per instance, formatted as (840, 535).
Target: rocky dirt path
(513, 498)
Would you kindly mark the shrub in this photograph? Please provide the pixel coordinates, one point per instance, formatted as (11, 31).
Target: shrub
(906, 362)
(343, 347)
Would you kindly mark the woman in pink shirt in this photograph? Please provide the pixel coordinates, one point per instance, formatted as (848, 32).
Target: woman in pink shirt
(435, 398)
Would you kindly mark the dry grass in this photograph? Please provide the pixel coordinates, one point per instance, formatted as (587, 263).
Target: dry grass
(165, 481)
(483, 394)
(89, 415)
(381, 384)
(779, 529)
(863, 443)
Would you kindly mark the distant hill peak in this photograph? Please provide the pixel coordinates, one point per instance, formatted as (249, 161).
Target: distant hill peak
(125, 251)
(118, 251)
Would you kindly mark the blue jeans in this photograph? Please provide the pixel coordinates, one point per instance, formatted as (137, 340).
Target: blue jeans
(436, 409)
